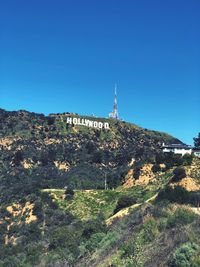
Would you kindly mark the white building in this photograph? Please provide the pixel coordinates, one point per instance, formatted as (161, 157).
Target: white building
(180, 149)
(196, 152)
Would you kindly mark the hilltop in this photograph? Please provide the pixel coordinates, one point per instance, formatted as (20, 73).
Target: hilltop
(61, 154)
(55, 211)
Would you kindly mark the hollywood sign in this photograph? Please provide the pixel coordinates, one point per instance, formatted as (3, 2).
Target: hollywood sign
(88, 123)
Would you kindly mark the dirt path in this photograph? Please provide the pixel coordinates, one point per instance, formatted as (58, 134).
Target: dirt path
(126, 211)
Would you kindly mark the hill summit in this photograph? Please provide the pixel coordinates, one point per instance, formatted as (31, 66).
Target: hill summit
(69, 149)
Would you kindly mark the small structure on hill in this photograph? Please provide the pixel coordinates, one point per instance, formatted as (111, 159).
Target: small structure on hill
(180, 149)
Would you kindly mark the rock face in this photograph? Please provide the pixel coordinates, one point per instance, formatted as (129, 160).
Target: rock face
(146, 175)
(56, 152)
(14, 214)
(190, 184)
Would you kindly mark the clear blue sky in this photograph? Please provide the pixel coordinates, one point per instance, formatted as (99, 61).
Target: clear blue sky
(66, 55)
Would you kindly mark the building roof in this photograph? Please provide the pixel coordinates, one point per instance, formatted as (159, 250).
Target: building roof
(179, 146)
(196, 149)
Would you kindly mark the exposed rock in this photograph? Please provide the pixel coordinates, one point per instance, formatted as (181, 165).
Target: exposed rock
(190, 184)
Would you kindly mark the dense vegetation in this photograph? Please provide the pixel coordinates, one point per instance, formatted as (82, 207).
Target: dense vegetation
(55, 210)
(58, 154)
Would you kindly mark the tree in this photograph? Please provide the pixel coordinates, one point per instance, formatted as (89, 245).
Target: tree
(184, 254)
(90, 146)
(197, 141)
(97, 157)
(179, 174)
(177, 194)
(156, 168)
(50, 120)
(123, 202)
(18, 157)
(187, 159)
(69, 193)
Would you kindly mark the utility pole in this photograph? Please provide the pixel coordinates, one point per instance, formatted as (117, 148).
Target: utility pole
(105, 181)
(103, 168)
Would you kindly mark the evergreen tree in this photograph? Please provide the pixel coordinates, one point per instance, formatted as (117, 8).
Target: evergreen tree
(197, 141)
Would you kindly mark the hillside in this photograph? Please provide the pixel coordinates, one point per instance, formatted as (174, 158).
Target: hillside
(48, 147)
(147, 216)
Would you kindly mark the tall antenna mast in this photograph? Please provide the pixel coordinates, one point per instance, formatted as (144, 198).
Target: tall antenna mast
(114, 113)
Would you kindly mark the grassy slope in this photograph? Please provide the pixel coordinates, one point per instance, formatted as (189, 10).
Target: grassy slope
(144, 227)
(88, 204)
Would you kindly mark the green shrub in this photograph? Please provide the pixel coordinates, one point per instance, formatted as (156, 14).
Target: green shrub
(94, 241)
(33, 252)
(162, 224)
(177, 194)
(136, 173)
(50, 120)
(108, 241)
(64, 237)
(187, 159)
(92, 227)
(160, 158)
(155, 168)
(150, 229)
(181, 216)
(170, 159)
(101, 241)
(146, 234)
(184, 254)
(123, 202)
(137, 169)
(179, 174)
(196, 261)
(69, 193)
(97, 157)
(194, 198)
(18, 157)
(14, 261)
(132, 251)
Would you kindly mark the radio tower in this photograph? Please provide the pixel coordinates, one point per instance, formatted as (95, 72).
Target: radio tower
(114, 113)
